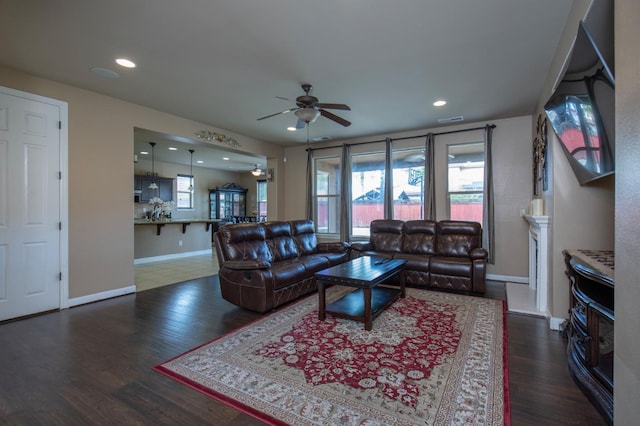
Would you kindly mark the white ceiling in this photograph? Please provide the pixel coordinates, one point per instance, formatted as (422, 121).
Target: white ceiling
(227, 63)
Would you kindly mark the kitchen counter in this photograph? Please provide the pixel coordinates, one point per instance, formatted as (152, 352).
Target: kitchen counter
(156, 240)
(184, 222)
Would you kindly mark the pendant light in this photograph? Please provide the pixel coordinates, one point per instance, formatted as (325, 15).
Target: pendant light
(191, 171)
(257, 171)
(153, 184)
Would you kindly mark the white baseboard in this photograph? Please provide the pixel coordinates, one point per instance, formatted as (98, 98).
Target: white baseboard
(172, 256)
(508, 279)
(90, 298)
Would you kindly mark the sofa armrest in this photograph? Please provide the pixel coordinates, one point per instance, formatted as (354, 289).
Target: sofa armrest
(362, 246)
(479, 254)
(334, 247)
(246, 265)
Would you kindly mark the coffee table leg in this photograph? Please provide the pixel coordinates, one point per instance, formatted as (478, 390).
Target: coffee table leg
(367, 309)
(321, 302)
(402, 284)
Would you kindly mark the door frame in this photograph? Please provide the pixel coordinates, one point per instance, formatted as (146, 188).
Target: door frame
(63, 160)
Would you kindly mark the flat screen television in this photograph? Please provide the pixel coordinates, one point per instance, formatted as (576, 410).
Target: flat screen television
(582, 111)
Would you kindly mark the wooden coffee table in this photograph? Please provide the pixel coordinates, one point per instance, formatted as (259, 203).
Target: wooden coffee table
(369, 300)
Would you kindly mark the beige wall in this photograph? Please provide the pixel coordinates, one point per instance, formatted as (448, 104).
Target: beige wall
(512, 141)
(582, 217)
(101, 237)
(627, 324)
(204, 180)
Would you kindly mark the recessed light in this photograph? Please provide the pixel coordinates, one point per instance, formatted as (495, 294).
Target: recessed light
(199, 161)
(144, 152)
(173, 148)
(291, 129)
(123, 62)
(225, 158)
(440, 103)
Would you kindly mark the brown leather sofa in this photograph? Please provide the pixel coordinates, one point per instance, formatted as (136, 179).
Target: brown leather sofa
(264, 265)
(440, 255)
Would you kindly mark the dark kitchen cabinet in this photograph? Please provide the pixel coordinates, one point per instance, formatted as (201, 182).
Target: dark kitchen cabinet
(142, 193)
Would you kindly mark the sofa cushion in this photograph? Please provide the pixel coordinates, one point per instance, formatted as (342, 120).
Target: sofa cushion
(280, 241)
(335, 258)
(304, 234)
(386, 235)
(419, 237)
(245, 241)
(314, 262)
(458, 238)
(415, 262)
(451, 266)
(287, 272)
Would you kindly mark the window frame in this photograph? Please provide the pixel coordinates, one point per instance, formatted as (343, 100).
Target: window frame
(471, 192)
(333, 198)
(190, 192)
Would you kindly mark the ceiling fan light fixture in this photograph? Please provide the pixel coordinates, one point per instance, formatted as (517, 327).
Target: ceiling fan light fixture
(308, 115)
(256, 171)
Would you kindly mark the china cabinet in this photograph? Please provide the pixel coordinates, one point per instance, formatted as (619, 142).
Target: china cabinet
(227, 201)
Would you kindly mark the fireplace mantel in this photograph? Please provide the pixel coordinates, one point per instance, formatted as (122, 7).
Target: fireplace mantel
(539, 260)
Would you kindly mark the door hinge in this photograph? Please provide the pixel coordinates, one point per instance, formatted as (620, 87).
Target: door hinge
(59, 226)
(59, 124)
(59, 175)
(59, 276)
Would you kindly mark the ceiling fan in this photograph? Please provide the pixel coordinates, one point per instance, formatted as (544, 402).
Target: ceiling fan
(308, 109)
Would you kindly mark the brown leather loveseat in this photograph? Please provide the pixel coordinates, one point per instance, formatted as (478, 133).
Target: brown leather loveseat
(440, 255)
(264, 265)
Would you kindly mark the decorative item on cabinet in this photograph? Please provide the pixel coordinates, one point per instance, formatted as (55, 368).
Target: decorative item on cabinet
(228, 202)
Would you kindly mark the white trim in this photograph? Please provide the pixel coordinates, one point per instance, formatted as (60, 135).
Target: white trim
(555, 323)
(171, 256)
(507, 279)
(96, 297)
(63, 159)
(539, 272)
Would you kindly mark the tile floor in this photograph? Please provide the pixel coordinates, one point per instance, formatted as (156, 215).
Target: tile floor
(165, 272)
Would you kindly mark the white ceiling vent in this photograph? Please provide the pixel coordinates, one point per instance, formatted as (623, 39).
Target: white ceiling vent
(321, 138)
(451, 119)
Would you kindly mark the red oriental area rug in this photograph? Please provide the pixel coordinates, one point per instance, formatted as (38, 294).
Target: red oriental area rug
(432, 358)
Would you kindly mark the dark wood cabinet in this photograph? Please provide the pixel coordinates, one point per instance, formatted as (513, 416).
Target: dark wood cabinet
(590, 330)
(142, 193)
(227, 202)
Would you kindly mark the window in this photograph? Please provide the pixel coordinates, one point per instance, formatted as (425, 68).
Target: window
(408, 184)
(367, 191)
(465, 192)
(327, 195)
(184, 185)
(261, 190)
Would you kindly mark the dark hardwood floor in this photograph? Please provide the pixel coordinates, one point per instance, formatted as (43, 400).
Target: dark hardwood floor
(92, 364)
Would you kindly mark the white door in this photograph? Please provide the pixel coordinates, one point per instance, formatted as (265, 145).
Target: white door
(30, 265)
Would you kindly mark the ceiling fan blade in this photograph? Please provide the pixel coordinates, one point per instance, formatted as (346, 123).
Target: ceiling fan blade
(277, 113)
(334, 106)
(300, 124)
(335, 118)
